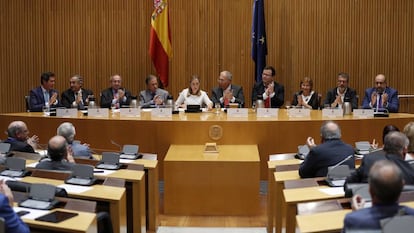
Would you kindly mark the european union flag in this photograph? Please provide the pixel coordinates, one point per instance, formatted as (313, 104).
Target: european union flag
(259, 45)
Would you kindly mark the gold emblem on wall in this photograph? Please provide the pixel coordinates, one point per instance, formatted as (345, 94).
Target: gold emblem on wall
(216, 132)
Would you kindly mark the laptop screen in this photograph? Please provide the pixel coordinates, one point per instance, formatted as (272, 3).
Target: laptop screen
(130, 149)
(82, 171)
(110, 158)
(42, 192)
(16, 164)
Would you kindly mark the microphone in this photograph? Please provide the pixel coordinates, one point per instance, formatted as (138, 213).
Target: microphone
(341, 162)
(116, 144)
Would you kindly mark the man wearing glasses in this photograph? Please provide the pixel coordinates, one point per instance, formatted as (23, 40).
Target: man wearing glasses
(338, 95)
(273, 93)
(381, 97)
(227, 93)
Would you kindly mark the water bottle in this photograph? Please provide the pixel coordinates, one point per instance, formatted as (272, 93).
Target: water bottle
(134, 103)
(259, 102)
(91, 103)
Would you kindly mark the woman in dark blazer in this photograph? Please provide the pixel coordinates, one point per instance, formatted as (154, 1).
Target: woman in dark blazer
(306, 97)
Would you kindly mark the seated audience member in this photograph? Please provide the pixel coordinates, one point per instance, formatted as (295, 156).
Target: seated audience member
(306, 97)
(153, 96)
(227, 93)
(18, 138)
(12, 222)
(76, 96)
(59, 156)
(330, 152)
(194, 95)
(385, 185)
(44, 93)
(381, 96)
(409, 132)
(395, 148)
(273, 93)
(337, 96)
(67, 130)
(115, 96)
(385, 131)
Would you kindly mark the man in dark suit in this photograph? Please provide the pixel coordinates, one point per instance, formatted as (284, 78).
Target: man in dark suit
(227, 93)
(338, 95)
(44, 93)
(385, 185)
(76, 96)
(331, 152)
(273, 93)
(115, 96)
(59, 157)
(153, 96)
(395, 148)
(381, 96)
(18, 138)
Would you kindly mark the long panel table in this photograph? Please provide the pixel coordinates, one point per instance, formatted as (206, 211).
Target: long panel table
(155, 135)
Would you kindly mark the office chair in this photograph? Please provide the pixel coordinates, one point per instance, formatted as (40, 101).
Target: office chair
(2, 226)
(104, 222)
(27, 100)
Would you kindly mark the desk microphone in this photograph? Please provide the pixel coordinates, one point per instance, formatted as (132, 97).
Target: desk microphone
(116, 144)
(341, 162)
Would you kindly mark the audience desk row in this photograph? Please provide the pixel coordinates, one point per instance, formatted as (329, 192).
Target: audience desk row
(156, 134)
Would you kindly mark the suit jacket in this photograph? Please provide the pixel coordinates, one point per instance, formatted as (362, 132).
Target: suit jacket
(107, 96)
(16, 145)
(278, 99)
(48, 164)
(37, 100)
(360, 175)
(12, 222)
(392, 101)
(349, 94)
(217, 93)
(68, 97)
(80, 150)
(369, 218)
(145, 97)
(314, 100)
(327, 154)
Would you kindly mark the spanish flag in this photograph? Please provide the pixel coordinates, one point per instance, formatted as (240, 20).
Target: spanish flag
(160, 39)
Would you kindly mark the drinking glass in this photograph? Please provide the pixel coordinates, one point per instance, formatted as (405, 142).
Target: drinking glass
(217, 106)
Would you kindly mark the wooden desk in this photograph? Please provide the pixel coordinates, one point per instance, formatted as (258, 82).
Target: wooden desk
(300, 195)
(226, 183)
(82, 223)
(271, 191)
(270, 134)
(114, 196)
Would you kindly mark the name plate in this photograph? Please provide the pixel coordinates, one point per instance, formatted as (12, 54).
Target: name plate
(98, 112)
(66, 112)
(332, 112)
(237, 112)
(363, 113)
(130, 112)
(267, 112)
(299, 112)
(161, 112)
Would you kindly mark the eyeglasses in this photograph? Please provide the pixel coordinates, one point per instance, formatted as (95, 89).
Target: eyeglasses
(266, 74)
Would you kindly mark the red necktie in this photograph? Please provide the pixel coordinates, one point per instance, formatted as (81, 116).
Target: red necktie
(267, 102)
(226, 102)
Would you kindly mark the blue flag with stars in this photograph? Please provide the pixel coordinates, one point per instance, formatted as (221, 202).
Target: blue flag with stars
(259, 44)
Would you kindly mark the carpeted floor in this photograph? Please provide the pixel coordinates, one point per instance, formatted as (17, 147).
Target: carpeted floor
(162, 229)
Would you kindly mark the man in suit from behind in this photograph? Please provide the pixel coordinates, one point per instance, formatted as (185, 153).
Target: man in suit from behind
(59, 155)
(153, 96)
(338, 95)
(385, 185)
(227, 93)
(330, 152)
(273, 93)
(115, 96)
(45, 93)
(76, 96)
(68, 131)
(18, 137)
(381, 96)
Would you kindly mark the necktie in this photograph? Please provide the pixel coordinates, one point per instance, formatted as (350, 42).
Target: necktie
(46, 96)
(380, 101)
(267, 102)
(226, 102)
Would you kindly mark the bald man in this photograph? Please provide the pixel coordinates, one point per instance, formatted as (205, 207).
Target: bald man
(76, 96)
(381, 97)
(59, 156)
(330, 152)
(18, 138)
(115, 95)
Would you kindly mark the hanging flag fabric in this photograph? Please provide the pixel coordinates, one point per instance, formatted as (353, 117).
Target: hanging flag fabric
(259, 40)
(160, 40)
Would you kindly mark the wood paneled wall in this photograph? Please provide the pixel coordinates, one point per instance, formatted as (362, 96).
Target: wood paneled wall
(97, 38)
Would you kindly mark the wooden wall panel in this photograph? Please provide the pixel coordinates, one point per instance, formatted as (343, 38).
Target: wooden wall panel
(97, 38)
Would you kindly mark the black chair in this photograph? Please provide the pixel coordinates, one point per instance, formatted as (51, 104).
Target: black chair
(27, 100)
(104, 222)
(2, 226)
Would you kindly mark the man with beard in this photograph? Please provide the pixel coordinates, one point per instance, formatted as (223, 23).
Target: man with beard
(381, 97)
(338, 95)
